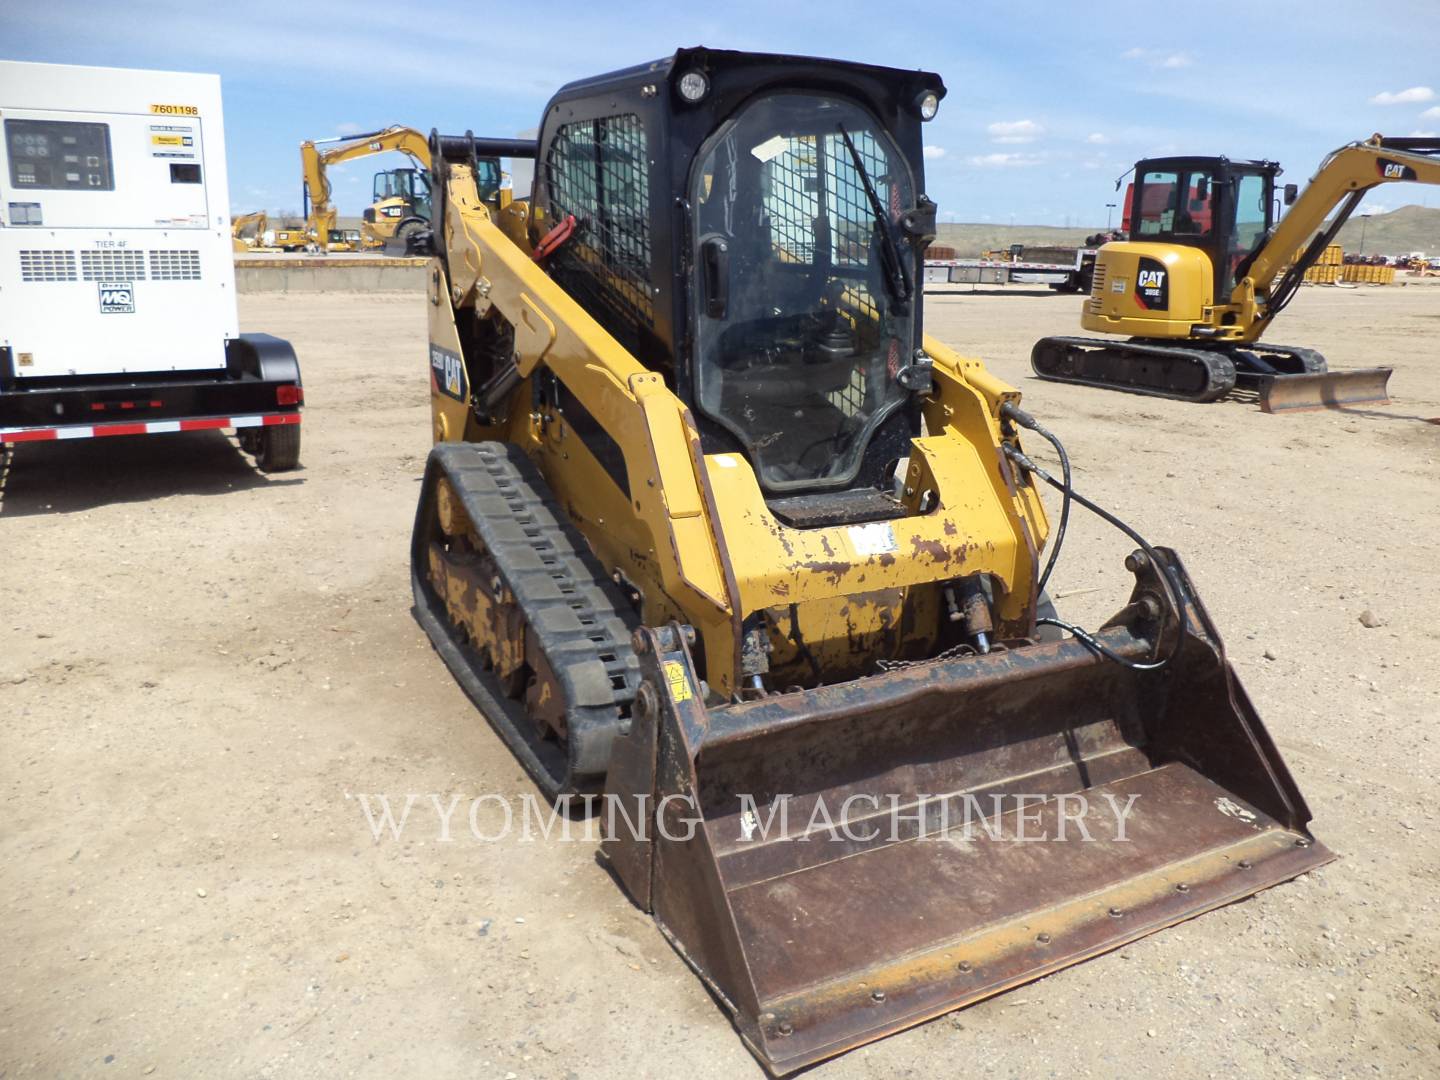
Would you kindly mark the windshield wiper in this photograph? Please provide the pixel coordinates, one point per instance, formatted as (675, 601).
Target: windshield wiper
(892, 265)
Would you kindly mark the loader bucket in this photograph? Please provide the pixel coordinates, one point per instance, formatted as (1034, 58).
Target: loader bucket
(819, 939)
(1325, 390)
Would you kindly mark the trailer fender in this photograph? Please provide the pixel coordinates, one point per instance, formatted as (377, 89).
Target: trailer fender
(262, 356)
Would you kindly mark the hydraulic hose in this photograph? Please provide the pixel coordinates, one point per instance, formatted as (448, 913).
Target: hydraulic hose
(1025, 420)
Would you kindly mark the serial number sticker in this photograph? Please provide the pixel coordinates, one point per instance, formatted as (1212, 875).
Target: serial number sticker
(1118, 284)
(679, 684)
(876, 539)
(175, 110)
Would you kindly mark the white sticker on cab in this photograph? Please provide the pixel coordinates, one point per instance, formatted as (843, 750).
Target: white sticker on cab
(876, 539)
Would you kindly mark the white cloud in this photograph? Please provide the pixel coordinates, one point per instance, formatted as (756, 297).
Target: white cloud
(1418, 134)
(1368, 208)
(933, 152)
(1015, 131)
(1413, 96)
(1005, 161)
(348, 127)
(1097, 138)
(1159, 58)
(1432, 113)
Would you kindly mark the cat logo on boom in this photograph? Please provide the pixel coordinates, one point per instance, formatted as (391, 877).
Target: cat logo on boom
(117, 298)
(1393, 170)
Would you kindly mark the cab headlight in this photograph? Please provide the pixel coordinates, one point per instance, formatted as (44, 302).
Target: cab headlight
(693, 86)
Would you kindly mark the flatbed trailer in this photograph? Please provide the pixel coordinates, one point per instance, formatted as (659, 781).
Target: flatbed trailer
(1072, 277)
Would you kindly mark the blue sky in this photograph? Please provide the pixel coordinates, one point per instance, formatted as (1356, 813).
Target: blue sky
(1048, 102)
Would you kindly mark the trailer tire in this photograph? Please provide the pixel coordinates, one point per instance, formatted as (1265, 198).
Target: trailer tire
(279, 448)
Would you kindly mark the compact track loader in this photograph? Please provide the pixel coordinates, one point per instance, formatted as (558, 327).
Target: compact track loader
(712, 528)
(1205, 270)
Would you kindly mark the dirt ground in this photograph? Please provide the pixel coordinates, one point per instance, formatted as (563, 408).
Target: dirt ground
(201, 667)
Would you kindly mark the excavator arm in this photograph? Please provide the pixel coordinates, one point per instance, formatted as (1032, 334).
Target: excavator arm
(1341, 181)
(239, 224)
(314, 163)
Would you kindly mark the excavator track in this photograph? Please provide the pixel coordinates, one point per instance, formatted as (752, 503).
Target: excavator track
(1139, 367)
(522, 613)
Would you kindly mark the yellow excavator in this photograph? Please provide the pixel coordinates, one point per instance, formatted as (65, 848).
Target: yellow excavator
(401, 206)
(1206, 269)
(256, 222)
(714, 533)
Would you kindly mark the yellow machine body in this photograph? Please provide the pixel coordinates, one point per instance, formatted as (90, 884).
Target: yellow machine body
(1125, 285)
(697, 539)
(317, 157)
(644, 606)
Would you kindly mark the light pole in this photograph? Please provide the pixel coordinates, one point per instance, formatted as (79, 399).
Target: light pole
(1363, 219)
(1109, 207)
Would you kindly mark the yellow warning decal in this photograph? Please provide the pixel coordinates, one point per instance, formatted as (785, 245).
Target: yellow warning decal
(166, 140)
(679, 684)
(176, 110)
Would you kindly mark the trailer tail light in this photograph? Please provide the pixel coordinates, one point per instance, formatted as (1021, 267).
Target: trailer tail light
(289, 395)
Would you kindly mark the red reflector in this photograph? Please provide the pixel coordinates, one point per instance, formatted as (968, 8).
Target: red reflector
(127, 404)
(157, 403)
(97, 406)
(289, 395)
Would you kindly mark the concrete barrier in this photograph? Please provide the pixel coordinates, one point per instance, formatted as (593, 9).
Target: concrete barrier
(320, 274)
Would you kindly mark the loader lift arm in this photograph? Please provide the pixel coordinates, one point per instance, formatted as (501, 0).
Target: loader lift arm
(315, 163)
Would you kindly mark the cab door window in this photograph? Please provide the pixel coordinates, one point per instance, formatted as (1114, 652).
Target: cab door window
(1177, 204)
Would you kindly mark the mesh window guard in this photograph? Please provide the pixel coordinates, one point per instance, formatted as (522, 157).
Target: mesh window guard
(598, 170)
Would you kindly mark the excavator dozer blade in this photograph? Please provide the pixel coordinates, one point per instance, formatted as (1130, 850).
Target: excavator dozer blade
(1325, 390)
(931, 850)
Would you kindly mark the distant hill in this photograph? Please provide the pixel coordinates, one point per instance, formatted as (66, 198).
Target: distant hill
(970, 240)
(1410, 228)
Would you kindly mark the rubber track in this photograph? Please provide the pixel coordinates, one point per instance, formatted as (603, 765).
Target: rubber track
(576, 616)
(1218, 370)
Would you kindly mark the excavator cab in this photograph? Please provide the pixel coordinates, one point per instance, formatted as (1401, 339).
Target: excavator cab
(1224, 208)
(399, 195)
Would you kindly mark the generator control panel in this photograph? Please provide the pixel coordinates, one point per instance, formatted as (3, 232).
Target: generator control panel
(59, 155)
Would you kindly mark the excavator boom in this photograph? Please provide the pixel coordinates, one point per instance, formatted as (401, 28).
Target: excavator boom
(318, 155)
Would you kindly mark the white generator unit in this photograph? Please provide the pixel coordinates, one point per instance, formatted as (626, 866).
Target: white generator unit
(117, 279)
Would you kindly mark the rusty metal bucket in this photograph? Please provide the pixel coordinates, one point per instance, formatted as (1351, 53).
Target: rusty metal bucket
(820, 939)
(1325, 390)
